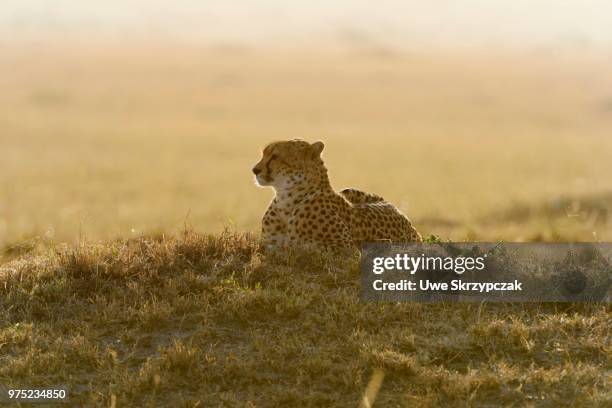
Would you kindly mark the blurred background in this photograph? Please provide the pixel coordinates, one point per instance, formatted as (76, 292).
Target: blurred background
(482, 120)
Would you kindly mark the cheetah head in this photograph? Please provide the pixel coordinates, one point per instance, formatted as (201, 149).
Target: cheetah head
(287, 163)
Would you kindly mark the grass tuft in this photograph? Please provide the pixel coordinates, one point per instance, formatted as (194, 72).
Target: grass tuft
(211, 319)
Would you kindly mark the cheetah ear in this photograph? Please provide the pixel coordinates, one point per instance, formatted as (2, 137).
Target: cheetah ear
(316, 148)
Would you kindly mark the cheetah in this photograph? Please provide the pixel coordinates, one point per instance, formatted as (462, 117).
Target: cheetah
(307, 211)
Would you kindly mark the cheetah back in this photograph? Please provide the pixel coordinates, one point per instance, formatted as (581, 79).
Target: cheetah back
(382, 221)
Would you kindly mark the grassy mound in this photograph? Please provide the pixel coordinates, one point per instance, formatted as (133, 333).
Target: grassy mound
(201, 320)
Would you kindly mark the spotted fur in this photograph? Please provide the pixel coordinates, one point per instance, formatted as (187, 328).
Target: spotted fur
(307, 210)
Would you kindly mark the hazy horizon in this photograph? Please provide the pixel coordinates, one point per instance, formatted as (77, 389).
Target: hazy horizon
(476, 23)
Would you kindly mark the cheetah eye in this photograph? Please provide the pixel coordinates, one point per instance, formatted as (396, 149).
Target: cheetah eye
(272, 157)
(275, 157)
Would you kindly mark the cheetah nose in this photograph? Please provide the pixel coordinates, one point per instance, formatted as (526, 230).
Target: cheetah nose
(256, 170)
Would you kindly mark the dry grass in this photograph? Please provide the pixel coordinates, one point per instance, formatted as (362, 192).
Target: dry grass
(103, 142)
(209, 319)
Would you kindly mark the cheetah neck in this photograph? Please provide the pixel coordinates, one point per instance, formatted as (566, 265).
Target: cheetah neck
(301, 188)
